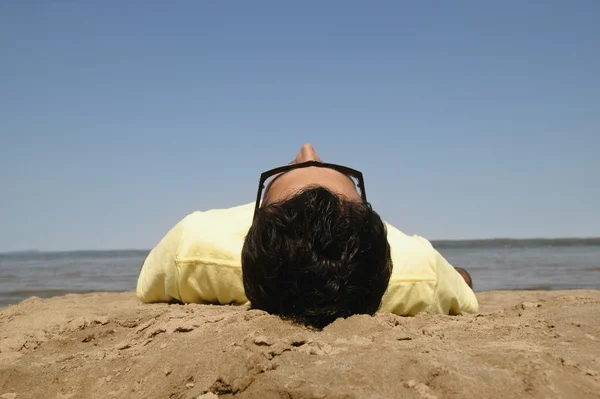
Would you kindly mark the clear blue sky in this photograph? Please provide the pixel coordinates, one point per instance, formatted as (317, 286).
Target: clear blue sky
(469, 119)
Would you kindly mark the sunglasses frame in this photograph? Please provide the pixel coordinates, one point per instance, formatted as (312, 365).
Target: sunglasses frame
(282, 169)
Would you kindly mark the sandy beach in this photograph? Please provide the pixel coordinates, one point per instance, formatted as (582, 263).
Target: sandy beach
(522, 344)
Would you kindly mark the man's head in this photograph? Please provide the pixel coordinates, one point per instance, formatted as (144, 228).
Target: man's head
(316, 251)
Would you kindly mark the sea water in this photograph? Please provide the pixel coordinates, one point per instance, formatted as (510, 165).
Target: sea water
(493, 264)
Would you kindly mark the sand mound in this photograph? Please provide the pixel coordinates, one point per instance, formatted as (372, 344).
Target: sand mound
(534, 344)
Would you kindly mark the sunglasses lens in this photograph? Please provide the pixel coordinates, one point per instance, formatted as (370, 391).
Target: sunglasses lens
(356, 184)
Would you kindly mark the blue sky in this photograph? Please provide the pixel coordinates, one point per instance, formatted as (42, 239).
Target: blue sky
(468, 119)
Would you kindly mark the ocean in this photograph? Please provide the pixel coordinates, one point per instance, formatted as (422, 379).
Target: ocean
(557, 264)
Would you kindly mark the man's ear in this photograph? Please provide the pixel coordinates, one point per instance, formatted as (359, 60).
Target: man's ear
(466, 276)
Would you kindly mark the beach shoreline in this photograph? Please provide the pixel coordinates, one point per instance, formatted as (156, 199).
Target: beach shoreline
(98, 345)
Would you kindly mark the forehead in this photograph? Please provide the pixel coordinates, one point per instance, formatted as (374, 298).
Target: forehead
(346, 182)
(314, 173)
(299, 179)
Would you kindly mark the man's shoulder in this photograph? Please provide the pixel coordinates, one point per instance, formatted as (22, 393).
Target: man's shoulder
(221, 216)
(413, 257)
(217, 230)
(407, 242)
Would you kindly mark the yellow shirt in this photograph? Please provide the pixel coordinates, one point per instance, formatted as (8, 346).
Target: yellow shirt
(199, 261)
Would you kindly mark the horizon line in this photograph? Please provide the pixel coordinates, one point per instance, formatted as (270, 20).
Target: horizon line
(557, 240)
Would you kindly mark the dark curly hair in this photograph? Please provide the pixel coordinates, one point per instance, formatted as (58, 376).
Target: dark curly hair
(316, 257)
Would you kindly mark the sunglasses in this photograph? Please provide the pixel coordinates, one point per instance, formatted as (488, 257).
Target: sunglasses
(351, 173)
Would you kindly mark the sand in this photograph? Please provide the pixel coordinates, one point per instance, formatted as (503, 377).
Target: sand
(104, 345)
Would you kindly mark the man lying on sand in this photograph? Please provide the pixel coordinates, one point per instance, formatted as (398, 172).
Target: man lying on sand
(310, 249)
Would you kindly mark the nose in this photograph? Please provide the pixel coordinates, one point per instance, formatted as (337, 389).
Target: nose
(307, 153)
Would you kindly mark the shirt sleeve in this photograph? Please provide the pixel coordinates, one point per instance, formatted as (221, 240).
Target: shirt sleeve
(159, 277)
(452, 294)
